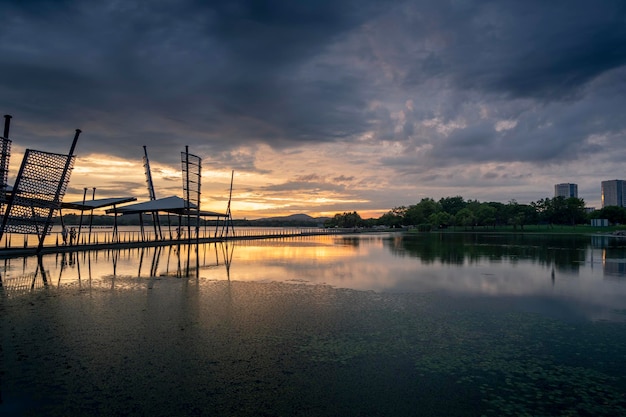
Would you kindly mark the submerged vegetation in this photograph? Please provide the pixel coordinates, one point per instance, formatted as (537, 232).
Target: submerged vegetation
(516, 363)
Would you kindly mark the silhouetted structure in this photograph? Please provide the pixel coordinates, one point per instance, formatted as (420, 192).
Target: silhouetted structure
(39, 188)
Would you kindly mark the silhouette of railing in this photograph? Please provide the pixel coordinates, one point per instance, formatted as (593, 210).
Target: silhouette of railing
(104, 237)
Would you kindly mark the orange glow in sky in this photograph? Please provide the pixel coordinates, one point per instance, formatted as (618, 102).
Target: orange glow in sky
(255, 195)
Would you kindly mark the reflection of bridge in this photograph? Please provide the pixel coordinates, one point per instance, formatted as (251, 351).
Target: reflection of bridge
(27, 274)
(137, 239)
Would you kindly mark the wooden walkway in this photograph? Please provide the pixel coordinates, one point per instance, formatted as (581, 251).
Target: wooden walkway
(14, 252)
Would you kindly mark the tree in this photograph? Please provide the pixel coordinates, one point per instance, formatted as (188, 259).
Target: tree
(452, 205)
(542, 208)
(500, 213)
(561, 210)
(486, 215)
(344, 220)
(419, 213)
(614, 214)
(520, 214)
(575, 211)
(390, 219)
(394, 217)
(465, 217)
(440, 220)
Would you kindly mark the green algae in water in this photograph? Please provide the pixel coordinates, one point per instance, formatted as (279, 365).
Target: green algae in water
(524, 366)
(319, 351)
(520, 363)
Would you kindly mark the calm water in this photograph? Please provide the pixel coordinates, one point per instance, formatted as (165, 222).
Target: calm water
(381, 324)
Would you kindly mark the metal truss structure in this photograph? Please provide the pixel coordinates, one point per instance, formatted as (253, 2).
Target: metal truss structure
(228, 221)
(5, 156)
(192, 174)
(148, 172)
(155, 215)
(38, 191)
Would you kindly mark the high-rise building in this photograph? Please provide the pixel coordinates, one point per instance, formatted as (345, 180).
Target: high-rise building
(566, 190)
(614, 193)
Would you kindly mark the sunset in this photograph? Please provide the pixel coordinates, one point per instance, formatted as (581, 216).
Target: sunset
(313, 208)
(344, 106)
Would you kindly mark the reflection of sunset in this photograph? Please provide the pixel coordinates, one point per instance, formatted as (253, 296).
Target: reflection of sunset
(286, 253)
(376, 262)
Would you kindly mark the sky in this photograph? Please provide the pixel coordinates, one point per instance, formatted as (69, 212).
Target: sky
(321, 107)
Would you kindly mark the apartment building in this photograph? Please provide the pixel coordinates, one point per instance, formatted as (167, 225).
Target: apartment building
(566, 190)
(614, 193)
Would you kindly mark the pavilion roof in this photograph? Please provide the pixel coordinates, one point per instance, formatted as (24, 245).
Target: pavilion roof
(95, 204)
(168, 204)
(172, 204)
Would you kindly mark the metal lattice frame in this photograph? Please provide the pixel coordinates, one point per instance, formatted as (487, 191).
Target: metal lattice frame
(146, 167)
(192, 167)
(228, 221)
(156, 221)
(192, 173)
(5, 156)
(39, 190)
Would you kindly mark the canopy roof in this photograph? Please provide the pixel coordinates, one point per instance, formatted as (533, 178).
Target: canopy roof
(168, 204)
(172, 204)
(95, 204)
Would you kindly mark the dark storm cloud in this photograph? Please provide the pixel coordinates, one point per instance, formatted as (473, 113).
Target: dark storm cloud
(220, 75)
(520, 48)
(555, 70)
(226, 73)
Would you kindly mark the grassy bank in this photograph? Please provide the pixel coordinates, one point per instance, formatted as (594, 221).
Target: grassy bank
(555, 229)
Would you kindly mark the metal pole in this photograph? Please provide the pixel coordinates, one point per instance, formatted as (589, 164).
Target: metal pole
(16, 187)
(155, 214)
(143, 237)
(228, 221)
(93, 197)
(4, 160)
(82, 210)
(7, 125)
(187, 200)
(115, 236)
(198, 201)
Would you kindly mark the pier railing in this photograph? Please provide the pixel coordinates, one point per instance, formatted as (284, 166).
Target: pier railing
(129, 236)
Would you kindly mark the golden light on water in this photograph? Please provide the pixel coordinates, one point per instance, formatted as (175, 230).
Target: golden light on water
(282, 252)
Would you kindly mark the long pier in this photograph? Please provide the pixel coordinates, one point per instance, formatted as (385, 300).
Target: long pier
(135, 239)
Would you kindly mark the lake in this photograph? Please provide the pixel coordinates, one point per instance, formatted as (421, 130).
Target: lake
(387, 324)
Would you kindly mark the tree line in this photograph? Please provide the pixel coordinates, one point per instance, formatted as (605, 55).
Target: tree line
(429, 214)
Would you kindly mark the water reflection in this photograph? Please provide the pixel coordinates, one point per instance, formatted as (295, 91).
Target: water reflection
(201, 343)
(115, 268)
(589, 271)
(565, 253)
(562, 253)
